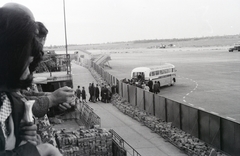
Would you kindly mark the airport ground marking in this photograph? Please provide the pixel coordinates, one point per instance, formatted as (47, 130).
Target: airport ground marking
(230, 118)
(191, 104)
(196, 85)
(214, 113)
(201, 108)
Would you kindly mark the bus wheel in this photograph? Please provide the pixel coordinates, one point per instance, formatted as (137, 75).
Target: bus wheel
(173, 81)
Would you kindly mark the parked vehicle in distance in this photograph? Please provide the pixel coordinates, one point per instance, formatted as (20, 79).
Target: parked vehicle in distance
(236, 47)
(165, 73)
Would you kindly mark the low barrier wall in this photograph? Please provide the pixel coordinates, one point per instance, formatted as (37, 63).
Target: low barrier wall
(219, 132)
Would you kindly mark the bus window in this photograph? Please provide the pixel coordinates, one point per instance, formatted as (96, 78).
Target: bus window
(134, 75)
(157, 72)
(153, 73)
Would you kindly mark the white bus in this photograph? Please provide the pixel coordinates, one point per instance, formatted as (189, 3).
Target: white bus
(165, 73)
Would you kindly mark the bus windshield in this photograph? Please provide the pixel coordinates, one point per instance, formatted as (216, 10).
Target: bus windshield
(138, 74)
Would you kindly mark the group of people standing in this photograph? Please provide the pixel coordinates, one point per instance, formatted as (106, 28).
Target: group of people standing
(81, 94)
(147, 86)
(155, 88)
(95, 92)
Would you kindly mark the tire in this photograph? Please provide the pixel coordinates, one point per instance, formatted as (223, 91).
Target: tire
(173, 81)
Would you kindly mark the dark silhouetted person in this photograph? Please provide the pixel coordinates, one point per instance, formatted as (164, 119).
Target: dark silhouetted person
(78, 93)
(155, 87)
(90, 91)
(83, 95)
(93, 93)
(97, 93)
(150, 85)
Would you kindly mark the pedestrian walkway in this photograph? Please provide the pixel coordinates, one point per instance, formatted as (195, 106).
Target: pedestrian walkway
(138, 136)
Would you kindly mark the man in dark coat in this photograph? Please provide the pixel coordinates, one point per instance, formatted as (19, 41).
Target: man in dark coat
(156, 87)
(93, 93)
(90, 91)
(83, 95)
(78, 93)
(97, 93)
(102, 88)
(105, 93)
(150, 84)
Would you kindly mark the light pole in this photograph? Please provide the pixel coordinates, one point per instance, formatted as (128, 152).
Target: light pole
(50, 67)
(66, 46)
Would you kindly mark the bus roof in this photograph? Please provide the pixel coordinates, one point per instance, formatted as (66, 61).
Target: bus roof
(151, 68)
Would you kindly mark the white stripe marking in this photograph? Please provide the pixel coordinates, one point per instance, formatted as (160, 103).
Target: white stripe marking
(191, 104)
(230, 118)
(201, 108)
(214, 113)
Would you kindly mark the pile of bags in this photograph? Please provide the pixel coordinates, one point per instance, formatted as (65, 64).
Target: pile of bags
(96, 141)
(186, 142)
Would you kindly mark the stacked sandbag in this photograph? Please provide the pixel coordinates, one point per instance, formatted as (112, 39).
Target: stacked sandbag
(85, 142)
(186, 142)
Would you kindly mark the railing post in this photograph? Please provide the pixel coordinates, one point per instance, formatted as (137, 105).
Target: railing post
(165, 104)
(135, 96)
(180, 116)
(128, 94)
(122, 88)
(154, 104)
(144, 105)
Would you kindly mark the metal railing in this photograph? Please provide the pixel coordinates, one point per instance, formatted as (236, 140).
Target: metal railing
(121, 142)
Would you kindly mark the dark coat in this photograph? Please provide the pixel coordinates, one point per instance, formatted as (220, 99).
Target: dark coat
(156, 87)
(27, 149)
(83, 94)
(150, 84)
(90, 90)
(78, 93)
(97, 92)
(93, 91)
(102, 88)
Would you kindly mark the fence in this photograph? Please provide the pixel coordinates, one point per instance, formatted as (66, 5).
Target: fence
(88, 116)
(121, 146)
(219, 132)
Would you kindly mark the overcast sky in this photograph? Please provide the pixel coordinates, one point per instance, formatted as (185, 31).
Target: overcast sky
(101, 21)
